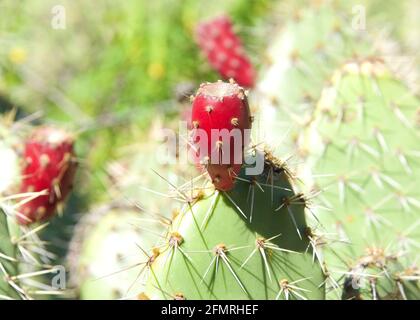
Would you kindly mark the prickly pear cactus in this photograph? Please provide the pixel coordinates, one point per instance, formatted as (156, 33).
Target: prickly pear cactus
(248, 243)
(106, 252)
(298, 63)
(24, 261)
(362, 146)
(8, 262)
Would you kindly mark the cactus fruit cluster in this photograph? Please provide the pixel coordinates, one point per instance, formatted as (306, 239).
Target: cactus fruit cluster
(39, 164)
(224, 50)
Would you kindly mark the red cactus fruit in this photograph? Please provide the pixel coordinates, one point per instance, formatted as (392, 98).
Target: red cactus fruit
(220, 111)
(224, 50)
(49, 164)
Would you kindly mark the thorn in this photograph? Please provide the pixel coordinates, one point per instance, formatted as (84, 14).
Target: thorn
(236, 206)
(210, 210)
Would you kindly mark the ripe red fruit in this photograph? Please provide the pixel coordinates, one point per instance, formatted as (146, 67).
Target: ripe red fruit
(221, 108)
(224, 51)
(49, 164)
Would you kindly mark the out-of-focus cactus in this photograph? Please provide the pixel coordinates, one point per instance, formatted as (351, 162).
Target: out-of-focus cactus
(310, 40)
(140, 178)
(25, 262)
(49, 165)
(8, 261)
(106, 254)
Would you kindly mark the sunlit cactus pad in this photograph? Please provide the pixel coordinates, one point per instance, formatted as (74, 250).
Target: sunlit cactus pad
(248, 243)
(363, 147)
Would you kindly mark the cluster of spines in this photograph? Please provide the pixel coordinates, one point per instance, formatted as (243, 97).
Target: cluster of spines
(25, 263)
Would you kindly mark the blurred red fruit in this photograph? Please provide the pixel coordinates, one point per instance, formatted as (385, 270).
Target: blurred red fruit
(224, 51)
(49, 164)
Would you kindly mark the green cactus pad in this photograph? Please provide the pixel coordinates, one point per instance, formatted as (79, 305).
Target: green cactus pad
(365, 158)
(300, 59)
(8, 262)
(106, 252)
(243, 244)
